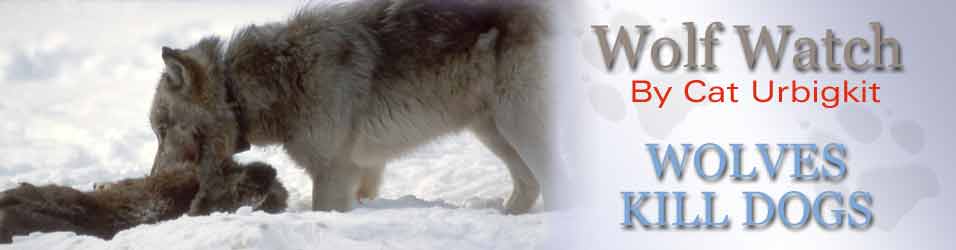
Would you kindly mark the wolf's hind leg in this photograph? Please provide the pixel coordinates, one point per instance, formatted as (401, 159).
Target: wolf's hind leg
(526, 188)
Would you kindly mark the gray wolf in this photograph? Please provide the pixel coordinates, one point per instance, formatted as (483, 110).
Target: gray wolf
(347, 87)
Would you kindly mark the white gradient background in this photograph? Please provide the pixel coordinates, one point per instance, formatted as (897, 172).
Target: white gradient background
(899, 150)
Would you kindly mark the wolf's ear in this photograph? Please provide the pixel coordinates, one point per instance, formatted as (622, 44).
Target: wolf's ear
(176, 73)
(168, 52)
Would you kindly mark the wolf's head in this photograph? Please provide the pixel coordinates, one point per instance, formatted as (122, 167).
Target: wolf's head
(192, 113)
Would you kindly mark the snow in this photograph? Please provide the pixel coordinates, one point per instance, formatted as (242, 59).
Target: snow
(464, 184)
(74, 112)
(399, 228)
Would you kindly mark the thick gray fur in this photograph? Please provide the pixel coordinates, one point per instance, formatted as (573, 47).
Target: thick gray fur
(347, 87)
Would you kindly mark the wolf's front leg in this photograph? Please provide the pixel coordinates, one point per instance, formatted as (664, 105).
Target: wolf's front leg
(334, 182)
(335, 187)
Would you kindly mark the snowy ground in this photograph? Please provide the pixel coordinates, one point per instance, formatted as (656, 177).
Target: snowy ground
(444, 197)
(77, 80)
(428, 228)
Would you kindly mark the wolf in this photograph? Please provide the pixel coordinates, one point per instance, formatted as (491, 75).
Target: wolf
(164, 195)
(347, 87)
